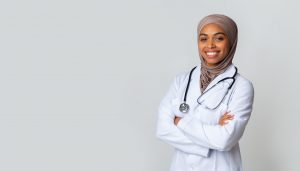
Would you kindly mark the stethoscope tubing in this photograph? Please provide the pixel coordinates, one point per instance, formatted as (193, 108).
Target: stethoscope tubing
(188, 84)
(184, 110)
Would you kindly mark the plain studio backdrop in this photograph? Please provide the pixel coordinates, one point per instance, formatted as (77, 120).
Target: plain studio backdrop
(81, 80)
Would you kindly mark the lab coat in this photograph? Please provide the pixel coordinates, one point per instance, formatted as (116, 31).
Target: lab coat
(200, 143)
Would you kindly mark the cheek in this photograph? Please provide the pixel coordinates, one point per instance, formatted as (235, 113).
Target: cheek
(200, 47)
(226, 46)
(226, 50)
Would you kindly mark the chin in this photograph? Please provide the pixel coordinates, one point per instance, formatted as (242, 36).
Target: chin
(212, 61)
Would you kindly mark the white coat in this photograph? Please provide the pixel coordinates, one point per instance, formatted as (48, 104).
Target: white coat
(200, 143)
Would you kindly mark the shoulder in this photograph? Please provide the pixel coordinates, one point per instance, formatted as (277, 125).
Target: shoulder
(181, 78)
(244, 81)
(175, 86)
(243, 85)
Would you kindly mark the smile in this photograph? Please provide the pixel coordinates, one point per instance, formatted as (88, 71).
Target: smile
(212, 54)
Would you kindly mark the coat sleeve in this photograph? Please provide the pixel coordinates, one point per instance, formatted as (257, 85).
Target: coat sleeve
(218, 137)
(168, 132)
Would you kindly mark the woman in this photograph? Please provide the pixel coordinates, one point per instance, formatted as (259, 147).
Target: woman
(205, 134)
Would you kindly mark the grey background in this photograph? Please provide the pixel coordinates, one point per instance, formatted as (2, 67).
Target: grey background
(81, 80)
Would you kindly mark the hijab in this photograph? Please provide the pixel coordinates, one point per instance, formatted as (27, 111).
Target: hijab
(231, 31)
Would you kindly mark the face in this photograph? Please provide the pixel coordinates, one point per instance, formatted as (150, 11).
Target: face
(213, 44)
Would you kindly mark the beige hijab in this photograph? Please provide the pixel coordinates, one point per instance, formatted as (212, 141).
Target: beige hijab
(230, 28)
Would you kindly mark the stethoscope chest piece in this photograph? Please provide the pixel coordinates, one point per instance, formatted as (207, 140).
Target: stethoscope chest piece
(184, 108)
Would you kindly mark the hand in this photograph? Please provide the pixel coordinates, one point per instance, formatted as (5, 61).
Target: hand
(225, 118)
(176, 120)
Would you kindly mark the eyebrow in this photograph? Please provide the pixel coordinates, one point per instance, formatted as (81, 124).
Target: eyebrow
(203, 34)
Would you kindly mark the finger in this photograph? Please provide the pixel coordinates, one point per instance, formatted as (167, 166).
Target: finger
(227, 112)
(227, 117)
(224, 120)
(224, 123)
(230, 117)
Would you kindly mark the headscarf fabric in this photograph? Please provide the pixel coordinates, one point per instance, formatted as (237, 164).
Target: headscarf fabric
(231, 31)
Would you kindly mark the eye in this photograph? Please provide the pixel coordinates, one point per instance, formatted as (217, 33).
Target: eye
(220, 38)
(202, 39)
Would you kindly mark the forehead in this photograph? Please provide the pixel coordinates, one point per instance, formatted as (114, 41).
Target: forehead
(211, 28)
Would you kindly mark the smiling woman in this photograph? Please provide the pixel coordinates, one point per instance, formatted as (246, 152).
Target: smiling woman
(206, 134)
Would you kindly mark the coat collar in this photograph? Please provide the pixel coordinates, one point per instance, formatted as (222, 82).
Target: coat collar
(229, 72)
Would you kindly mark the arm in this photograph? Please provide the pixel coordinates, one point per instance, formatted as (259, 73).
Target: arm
(224, 119)
(218, 137)
(169, 133)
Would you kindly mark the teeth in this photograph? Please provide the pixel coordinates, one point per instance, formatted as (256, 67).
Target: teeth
(211, 53)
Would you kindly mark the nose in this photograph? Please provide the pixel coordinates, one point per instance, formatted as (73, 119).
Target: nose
(211, 44)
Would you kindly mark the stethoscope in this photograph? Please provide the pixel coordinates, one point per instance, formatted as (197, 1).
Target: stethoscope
(184, 107)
